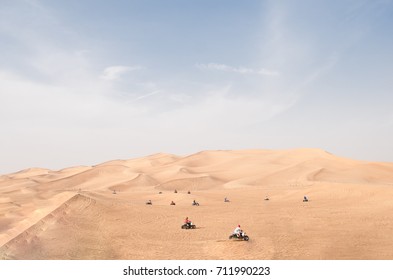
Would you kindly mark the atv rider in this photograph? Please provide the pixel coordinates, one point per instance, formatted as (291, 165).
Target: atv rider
(238, 231)
(187, 222)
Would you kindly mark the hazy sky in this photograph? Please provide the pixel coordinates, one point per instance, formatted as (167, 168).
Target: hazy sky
(83, 82)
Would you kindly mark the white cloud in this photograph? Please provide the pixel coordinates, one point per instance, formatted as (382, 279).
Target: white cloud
(148, 94)
(241, 70)
(113, 73)
(267, 72)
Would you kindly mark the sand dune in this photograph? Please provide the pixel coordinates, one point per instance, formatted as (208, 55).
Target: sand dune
(194, 183)
(30, 172)
(141, 180)
(74, 213)
(99, 177)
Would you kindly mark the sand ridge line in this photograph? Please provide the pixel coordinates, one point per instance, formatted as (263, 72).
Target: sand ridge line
(43, 221)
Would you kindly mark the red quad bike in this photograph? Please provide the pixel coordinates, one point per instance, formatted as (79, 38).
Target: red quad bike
(188, 226)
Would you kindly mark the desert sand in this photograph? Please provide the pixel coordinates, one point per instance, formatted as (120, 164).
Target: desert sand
(100, 212)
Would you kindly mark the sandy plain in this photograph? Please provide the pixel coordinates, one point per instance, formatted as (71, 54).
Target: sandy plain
(99, 212)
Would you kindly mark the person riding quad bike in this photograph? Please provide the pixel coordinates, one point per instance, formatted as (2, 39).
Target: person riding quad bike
(187, 221)
(238, 233)
(188, 224)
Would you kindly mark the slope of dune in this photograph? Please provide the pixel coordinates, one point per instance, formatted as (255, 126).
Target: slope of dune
(30, 172)
(75, 213)
(98, 177)
(141, 180)
(140, 165)
(24, 210)
(358, 173)
(191, 183)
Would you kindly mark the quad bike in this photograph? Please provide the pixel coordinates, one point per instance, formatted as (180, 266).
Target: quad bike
(195, 204)
(242, 236)
(149, 203)
(188, 226)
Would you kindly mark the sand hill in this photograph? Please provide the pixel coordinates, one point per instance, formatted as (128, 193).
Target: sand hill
(99, 212)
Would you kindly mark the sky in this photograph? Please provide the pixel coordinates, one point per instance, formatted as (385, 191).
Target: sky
(84, 82)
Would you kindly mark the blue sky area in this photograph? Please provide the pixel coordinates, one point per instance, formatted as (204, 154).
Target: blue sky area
(82, 82)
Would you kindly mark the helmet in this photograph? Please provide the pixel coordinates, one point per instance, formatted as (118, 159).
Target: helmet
(238, 225)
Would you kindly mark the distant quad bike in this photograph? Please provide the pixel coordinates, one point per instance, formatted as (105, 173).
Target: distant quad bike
(188, 226)
(195, 203)
(149, 202)
(242, 236)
